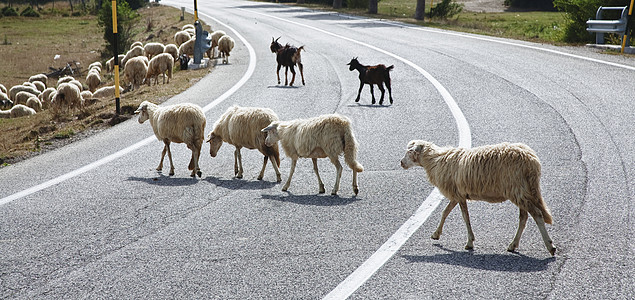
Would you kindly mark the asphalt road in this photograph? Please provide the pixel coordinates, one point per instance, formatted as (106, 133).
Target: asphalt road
(95, 220)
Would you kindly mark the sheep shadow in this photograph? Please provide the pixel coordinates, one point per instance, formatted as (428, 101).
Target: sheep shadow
(163, 180)
(312, 200)
(283, 86)
(240, 184)
(512, 262)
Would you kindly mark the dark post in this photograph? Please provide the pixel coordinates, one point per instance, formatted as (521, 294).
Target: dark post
(116, 56)
(420, 11)
(372, 7)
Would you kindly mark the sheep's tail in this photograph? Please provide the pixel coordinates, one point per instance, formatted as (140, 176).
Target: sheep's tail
(540, 203)
(350, 151)
(546, 213)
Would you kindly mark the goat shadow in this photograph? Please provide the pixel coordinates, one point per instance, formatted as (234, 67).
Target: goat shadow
(163, 180)
(240, 184)
(313, 200)
(283, 87)
(375, 106)
(512, 262)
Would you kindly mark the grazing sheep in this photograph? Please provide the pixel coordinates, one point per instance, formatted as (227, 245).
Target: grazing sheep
(160, 64)
(135, 71)
(45, 97)
(152, 49)
(77, 83)
(173, 50)
(190, 31)
(21, 97)
(34, 103)
(21, 88)
(225, 45)
(106, 91)
(110, 64)
(93, 80)
(39, 77)
(17, 111)
(241, 127)
(180, 123)
(3, 88)
(95, 65)
(68, 96)
(86, 94)
(5, 103)
(287, 56)
(135, 44)
(64, 79)
(492, 173)
(181, 37)
(186, 26)
(319, 137)
(187, 47)
(40, 86)
(379, 75)
(135, 51)
(3, 96)
(216, 35)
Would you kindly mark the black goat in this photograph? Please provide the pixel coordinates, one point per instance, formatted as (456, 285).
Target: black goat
(379, 75)
(287, 56)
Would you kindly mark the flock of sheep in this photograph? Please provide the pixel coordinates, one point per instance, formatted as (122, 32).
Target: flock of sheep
(141, 64)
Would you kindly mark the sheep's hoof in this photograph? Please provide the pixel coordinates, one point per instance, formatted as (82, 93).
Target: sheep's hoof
(333, 193)
(435, 236)
(356, 191)
(278, 179)
(468, 247)
(259, 178)
(322, 191)
(239, 176)
(553, 251)
(171, 173)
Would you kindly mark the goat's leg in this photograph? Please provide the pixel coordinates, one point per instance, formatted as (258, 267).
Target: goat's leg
(315, 169)
(167, 145)
(446, 212)
(466, 218)
(301, 67)
(389, 89)
(238, 163)
(383, 91)
(361, 86)
(262, 171)
(522, 221)
(274, 163)
(372, 93)
(278, 72)
(286, 185)
(293, 77)
(339, 168)
(286, 73)
(540, 221)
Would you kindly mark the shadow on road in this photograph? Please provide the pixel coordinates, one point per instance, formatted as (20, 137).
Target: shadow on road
(512, 262)
(314, 200)
(241, 184)
(163, 180)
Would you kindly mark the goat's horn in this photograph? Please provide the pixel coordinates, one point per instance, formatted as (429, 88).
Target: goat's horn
(278, 38)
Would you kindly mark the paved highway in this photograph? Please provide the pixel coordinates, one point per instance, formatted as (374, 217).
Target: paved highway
(95, 220)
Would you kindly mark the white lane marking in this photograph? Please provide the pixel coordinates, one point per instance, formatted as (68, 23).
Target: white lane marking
(146, 141)
(399, 238)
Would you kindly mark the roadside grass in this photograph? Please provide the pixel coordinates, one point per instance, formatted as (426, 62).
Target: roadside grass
(33, 42)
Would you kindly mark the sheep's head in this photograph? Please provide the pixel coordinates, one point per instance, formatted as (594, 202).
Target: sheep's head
(214, 144)
(272, 134)
(143, 112)
(411, 158)
(353, 64)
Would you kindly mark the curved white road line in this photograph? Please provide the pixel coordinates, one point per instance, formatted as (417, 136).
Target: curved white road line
(399, 238)
(146, 141)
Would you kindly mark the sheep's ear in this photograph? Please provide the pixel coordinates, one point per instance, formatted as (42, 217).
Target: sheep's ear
(142, 108)
(414, 147)
(210, 136)
(271, 127)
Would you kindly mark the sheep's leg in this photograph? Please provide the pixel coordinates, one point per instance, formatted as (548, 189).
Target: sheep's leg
(383, 91)
(293, 77)
(286, 185)
(522, 221)
(167, 145)
(355, 188)
(274, 163)
(165, 149)
(301, 67)
(361, 86)
(466, 218)
(262, 171)
(238, 163)
(339, 168)
(540, 221)
(372, 93)
(278, 72)
(446, 212)
(315, 169)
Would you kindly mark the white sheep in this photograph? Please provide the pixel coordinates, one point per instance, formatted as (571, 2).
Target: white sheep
(21, 88)
(110, 64)
(40, 86)
(64, 79)
(173, 50)
(186, 26)
(318, 137)
(225, 45)
(135, 44)
(493, 173)
(216, 35)
(3, 96)
(152, 49)
(187, 47)
(160, 64)
(68, 96)
(45, 97)
(241, 127)
(39, 77)
(179, 123)
(181, 37)
(95, 65)
(21, 97)
(135, 51)
(93, 80)
(86, 95)
(106, 91)
(34, 103)
(135, 71)
(17, 111)
(3, 88)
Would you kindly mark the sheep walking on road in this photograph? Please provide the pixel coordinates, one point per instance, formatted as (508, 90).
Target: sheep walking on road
(493, 173)
(319, 137)
(180, 123)
(225, 46)
(241, 127)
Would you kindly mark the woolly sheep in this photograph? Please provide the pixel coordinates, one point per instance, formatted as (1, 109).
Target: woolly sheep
(21, 97)
(241, 127)
(135, 71)
(86, 95)
(106, 91)
(173, 50)
(160, 64)
(45, 97)
(216, 35)
(225, 45)
(3, 88)
(186, 26)
(110, 64)
(187, 47)
(40, 86)
(5, 103)
(190, 31)
(135, 44)
(68, 96)
(34, 103)
(95, 65)
(3, 96)
(493, 173)
(152, 49)
(77, 83)
(181, 37)
(318, 137)
(39, 77)
(17, 111)
(135, 51)
(64, 79)
(180, 123)
(93, 80)
(21, 88)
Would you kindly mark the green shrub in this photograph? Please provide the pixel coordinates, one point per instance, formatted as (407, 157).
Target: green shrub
(29, 12)
(126, 18)
(357, 3)
(446, 9)
(579, 11)
(8, 11)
